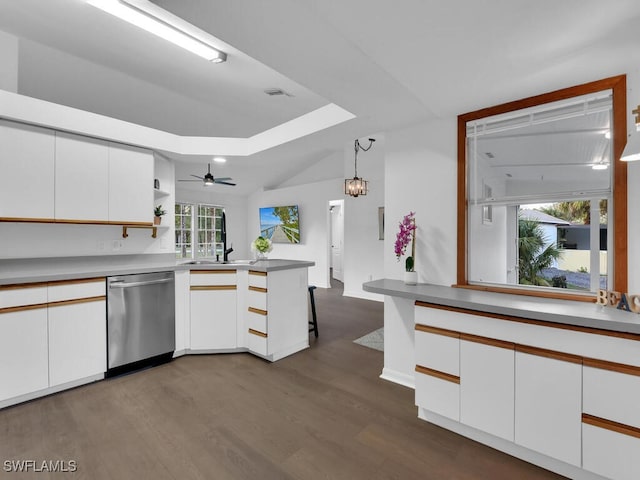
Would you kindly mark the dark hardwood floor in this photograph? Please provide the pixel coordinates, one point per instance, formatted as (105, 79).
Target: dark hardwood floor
(320, 414)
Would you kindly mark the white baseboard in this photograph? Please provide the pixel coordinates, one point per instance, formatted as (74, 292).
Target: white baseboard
(398, 377)
(48, 391)
(548, 463)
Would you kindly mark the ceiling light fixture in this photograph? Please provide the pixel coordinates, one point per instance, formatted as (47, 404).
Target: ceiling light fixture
(599, 166)
(357, 186)
(631, 151)
(144, 14)
(219, 159)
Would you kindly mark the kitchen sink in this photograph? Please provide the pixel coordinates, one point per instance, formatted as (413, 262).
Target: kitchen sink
(213, 262)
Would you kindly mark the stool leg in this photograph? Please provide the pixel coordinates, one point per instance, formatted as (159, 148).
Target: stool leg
(313, 313)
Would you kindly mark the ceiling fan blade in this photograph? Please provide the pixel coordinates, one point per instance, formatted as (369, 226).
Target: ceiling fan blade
(201, 178)
(224, 179)
(180, 180)
(224, 183)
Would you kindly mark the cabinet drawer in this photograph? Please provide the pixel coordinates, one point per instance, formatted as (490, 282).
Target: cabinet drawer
(257, 279)
(610, 454)
(257, 298)
(73, 289)
(257, 321)
(438, 395)
(17, 295)
(257, 342)
(611, 395)
(438, 349)
(213, 277)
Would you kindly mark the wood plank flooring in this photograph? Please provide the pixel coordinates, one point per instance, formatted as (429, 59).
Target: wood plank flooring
(319, 414)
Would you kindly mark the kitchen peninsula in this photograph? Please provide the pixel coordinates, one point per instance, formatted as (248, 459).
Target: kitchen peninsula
(53, 315)
(554, 382)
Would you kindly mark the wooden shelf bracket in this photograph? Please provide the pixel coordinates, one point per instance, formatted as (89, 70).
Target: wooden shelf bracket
(154, 230)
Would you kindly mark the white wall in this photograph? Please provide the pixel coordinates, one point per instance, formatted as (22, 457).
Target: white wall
(313, 204)
(8, 62)
(34, 240)
(235, 208)
(363, 257)
(420, 176)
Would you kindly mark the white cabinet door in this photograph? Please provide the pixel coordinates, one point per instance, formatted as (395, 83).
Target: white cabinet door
(131, 185)
(27, 165)
(213, 319)
(487, 387)
(77, 341)
(23, 352)
(548, 406)
(81, 178)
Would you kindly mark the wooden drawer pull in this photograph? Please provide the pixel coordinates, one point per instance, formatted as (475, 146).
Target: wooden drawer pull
(213, 287)
(259, 274)
(437, 374)
(610, 425)
(257, 333)
(437, 331)
(258, 289)
(258, 311)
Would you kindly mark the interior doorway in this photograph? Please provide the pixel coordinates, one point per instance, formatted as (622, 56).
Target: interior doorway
(336, 241)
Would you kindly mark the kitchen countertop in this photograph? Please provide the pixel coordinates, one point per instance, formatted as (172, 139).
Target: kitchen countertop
(17, 271)
(549, 310)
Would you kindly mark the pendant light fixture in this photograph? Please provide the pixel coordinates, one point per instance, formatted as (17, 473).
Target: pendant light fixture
(357, 186)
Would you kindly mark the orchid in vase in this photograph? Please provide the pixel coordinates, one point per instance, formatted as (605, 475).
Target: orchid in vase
(407, 235)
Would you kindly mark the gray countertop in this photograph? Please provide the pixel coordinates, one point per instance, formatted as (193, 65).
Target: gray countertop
(17, 271)
(550, 310)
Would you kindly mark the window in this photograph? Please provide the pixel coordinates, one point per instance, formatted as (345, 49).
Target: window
(198, 230)
(538, 180)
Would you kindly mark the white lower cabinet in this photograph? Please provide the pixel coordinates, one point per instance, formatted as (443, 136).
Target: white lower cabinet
(548, 406)
(24, 366)
(77, 341)
(487, 387)
(213, 310)
(437, 377)
(213, 318)
(51, 334)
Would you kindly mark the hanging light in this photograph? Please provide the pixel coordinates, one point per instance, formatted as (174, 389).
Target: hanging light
(357, 186)
(631, 150)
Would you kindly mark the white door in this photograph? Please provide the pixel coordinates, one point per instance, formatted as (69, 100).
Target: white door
(337, 238)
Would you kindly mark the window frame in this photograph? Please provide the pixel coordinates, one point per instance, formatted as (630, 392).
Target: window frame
(196, 230)
(618, 87)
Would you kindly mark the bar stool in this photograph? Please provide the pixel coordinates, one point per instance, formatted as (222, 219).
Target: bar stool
(314, 322)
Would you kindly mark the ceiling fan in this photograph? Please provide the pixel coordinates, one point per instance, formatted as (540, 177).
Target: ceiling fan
(209, 179)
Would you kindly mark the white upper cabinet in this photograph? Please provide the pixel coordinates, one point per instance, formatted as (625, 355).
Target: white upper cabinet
(26, 160)
(81, 178)
(130, 184)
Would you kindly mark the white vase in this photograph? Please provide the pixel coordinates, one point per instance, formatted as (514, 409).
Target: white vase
(410, 278)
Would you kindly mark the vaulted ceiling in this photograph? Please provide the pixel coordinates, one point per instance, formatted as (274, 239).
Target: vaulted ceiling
(392, 64)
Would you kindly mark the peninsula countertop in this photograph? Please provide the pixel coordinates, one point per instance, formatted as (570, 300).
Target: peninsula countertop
(19, 271)
(575, 313)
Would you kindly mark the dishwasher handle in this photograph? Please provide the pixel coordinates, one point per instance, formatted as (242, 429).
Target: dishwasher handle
(122, 284)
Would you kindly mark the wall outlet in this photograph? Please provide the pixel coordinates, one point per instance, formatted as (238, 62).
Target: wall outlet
(370, 277)
(116, 245)
(101, 246)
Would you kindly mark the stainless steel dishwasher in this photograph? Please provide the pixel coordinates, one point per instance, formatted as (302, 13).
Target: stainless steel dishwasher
(140, 320)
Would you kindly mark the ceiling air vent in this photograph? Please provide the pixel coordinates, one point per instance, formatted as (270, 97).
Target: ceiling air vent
(274, 92)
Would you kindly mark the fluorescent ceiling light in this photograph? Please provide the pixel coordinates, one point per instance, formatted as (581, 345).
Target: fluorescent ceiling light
(219, 159)
(136, 15)
(599, 166)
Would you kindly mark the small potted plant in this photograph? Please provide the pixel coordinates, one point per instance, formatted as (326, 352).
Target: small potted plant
(406, 236)
(158, 212)
(261, 246)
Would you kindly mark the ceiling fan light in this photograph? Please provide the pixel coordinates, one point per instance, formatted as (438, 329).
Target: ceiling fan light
(219, 159)
(600, 166)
